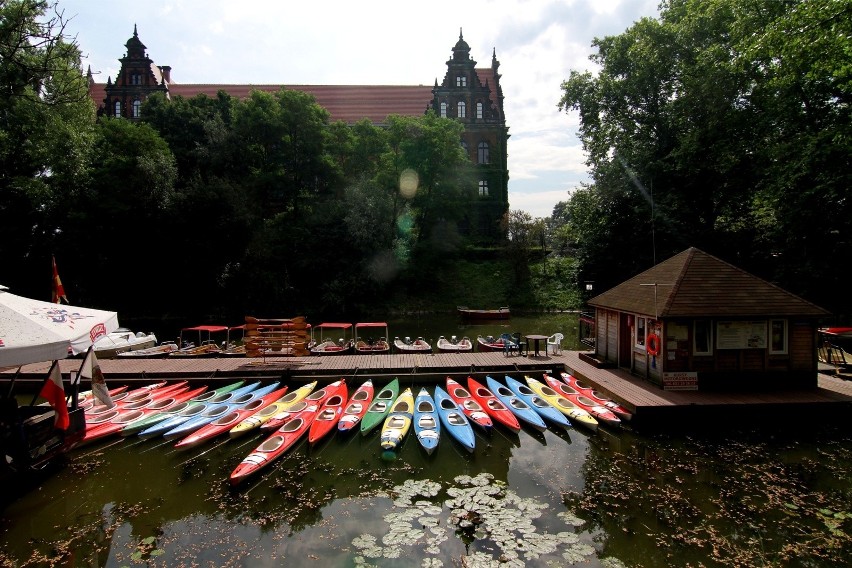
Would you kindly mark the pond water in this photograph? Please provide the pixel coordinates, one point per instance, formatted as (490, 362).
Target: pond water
(768, 495)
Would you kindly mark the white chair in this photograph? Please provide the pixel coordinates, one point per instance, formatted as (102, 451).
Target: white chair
(554, 344)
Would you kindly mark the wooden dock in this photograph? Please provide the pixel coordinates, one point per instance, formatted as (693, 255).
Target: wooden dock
(652, 406)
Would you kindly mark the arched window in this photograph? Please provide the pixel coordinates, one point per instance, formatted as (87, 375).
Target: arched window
(137, 108)
(482, 154)
(483, 188)
(479, 110)
(117, 108)
(462, 108)
(464, 146)
(443, 110)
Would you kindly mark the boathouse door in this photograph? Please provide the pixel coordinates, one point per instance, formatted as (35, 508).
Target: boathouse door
(625, 340)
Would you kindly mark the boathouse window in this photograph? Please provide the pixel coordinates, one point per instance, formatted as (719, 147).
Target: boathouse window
(443, 110)
(778, 337)
(702, 338)
(641, 332)
(462, 108)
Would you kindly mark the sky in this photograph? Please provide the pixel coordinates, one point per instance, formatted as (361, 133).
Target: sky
(380, 42)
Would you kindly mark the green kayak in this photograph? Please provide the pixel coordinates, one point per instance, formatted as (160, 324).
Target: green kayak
(380, 407)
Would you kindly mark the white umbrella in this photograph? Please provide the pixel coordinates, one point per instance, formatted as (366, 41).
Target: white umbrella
(32, 331)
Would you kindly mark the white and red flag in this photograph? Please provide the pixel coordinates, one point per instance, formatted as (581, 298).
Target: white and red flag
(58, 289)
(92, 371)
(53, 391)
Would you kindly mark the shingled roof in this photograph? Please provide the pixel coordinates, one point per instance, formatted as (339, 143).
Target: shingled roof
(696, 284)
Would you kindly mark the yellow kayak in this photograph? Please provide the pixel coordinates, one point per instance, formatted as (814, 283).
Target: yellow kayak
(574, 413)
(281, 405)
(398, 421)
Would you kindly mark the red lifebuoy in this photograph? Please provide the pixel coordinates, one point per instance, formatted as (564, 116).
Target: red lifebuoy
(652, 345)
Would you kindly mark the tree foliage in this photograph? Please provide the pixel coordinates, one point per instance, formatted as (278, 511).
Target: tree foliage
(723, 125)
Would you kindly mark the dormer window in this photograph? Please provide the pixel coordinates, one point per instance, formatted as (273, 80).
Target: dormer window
(462, 110)
(461, 81)
(443, 110)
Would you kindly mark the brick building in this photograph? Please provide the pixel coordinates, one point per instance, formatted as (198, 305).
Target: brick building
(468, 94)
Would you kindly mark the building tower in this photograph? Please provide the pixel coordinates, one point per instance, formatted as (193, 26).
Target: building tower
(137, 79)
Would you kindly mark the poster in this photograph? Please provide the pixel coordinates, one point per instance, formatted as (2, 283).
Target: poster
(741, 335)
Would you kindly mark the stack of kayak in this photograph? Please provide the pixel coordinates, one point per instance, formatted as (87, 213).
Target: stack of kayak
(455, 411)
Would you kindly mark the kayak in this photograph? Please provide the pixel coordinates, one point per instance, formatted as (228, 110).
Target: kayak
(379, 408)
(427, 425)
(356, 408)
(163, 426)
(600, 413)
(262, 416)
(524, 412)
(398, 421)
(598, 397)
(281, 440)
(99, 428)
(329, 413)
(87, 400)
(126, 397)
(216, 411)
(318, 396)
(454, 420)
(229, 420)
(573, 412)
(472, 409)
(138, 425)
(498, 411)
(155, 395)
(537, 403)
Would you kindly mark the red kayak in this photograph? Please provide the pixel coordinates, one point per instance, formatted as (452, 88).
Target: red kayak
(472, 409)
(357, 407)
(492, 405)
(599, 412)
(108, 423)
(87, 399)
(318, 397)
(616, 408)
(279, 442)
(136, 395)
(329, 413)
(226, 422)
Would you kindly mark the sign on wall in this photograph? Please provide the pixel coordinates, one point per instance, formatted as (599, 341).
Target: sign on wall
(741, 335)
(686, 380)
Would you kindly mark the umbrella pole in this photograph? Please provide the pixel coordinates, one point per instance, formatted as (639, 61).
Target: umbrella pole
(12, 382)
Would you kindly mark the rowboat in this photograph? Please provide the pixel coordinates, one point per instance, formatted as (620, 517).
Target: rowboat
(599, 412)
(138, 425)
(427, 424)
(156, 352)
(537, 403)
(111, 423)
(193, 410)
(471, 408)
(398, 421)
(454, 345)
(356, 407)
(227, 421)
(573, 412)
(330, 346)
(492, 405)
(380, 407)
(260, 417)
(216, 411)
(598, 397)
(490, 343)
(318, 396)
(500, 313)
(524, 412)
(121, 340)
(276, 444)
(453, 420)
(408, 345)
(371, 345)
(329, 413)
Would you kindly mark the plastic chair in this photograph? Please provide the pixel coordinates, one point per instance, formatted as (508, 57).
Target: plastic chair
(554, 344)
(509, 344)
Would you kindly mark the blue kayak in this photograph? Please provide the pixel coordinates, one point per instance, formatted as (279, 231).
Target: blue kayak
(513, 402)
(453, 419)
(427, 424)
(544, 408)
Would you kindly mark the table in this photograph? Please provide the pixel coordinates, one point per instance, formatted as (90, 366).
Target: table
(536, 339)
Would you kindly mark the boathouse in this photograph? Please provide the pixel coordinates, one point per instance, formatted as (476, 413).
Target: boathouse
(695, 322)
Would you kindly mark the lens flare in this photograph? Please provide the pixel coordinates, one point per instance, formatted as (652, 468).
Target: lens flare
(408, 182)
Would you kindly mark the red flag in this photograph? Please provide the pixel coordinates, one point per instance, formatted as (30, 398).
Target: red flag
(58, 288)
(53, 391)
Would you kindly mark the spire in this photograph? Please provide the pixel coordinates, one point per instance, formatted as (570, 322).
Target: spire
(135, 33)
